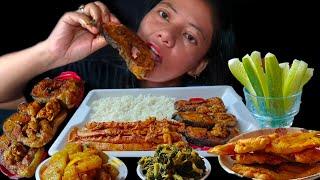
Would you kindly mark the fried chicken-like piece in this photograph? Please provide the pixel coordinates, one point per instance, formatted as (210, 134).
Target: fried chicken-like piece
(132, 48)
(18, 159)
(35, 128)
(68, 91)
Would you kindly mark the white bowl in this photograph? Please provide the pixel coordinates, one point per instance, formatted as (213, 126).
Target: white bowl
(122, 168)
(206, 163)
(226, 162)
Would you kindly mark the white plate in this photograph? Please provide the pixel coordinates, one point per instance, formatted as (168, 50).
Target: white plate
(231, 99)
(206, 163)
(226, 162)
(122, 168)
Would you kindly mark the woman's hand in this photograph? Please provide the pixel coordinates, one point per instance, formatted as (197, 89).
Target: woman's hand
(77, 35)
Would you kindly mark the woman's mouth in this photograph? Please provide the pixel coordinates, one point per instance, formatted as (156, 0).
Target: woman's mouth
(155, 52)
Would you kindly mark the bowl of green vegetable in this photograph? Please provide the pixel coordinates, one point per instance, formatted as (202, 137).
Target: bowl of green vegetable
(173, 162)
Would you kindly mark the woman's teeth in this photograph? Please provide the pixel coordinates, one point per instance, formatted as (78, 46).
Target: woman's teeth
(156, 56)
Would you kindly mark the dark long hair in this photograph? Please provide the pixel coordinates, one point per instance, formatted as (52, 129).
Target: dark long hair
(222, 47)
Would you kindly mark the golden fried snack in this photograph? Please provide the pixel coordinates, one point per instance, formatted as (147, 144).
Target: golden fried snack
(281, 171)
(19, 160)
(282, 153)
(68, 91)
(132, 48)
(259, 158)
(37, 128)
(294, 142)
(277, 143)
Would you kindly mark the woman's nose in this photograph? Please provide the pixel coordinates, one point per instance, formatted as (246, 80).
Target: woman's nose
(166, 37)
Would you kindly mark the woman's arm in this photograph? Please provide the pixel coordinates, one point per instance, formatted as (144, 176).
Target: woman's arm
(17, 68)
(73, 38)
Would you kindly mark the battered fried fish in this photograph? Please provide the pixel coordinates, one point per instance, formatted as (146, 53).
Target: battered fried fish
(131, 47)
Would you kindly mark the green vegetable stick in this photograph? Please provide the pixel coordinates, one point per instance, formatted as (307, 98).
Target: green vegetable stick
(256, 59)
(285, 70)
(274, 81)
(307, 76)
(250, 69)
(238, 71)
(294, 79)
(273, 75)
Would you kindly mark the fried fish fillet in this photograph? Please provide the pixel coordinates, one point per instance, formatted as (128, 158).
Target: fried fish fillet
(277, 143)
(131, 47)
(259, 158)
(282, 171)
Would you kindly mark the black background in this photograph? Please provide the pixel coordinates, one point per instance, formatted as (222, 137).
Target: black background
(289, 30)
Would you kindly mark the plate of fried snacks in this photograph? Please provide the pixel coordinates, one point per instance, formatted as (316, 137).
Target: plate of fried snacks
(81, 162)
(35, 123)
(174, 162)
(277, 153)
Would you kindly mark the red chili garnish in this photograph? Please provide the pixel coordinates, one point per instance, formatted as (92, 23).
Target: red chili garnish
(201, 148)
(68, 75)
(197, 100)
(6, 172)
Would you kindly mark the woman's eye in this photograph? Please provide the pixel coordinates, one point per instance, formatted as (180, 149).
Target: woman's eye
(190, 38)
(164, 15)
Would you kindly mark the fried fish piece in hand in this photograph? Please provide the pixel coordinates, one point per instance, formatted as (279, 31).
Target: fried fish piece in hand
(131, 47)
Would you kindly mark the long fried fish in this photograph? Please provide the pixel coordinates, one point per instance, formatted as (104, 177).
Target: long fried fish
(131, 47)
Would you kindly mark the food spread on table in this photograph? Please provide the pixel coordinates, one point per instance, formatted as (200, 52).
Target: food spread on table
(166, 125)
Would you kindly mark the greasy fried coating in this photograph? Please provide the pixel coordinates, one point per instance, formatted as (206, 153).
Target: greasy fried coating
(132, 48)
(281, 171)
(68, 91)
(294, 142)
(259, 158)
(277, 143)
(259, 172)
(225, 149)
(37, 128)
(19, 159)
(252, 144)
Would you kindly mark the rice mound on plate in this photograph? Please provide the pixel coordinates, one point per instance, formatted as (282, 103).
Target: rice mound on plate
(131, 108)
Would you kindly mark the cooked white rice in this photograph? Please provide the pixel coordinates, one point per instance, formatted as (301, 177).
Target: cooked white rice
(131, 108)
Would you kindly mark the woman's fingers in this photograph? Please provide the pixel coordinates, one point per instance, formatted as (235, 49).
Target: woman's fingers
(93, 11)
(105, 13)
(80, 19)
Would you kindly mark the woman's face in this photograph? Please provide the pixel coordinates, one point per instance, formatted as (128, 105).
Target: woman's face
(179, 32)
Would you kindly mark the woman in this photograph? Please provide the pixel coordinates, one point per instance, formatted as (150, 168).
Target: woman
(179, 33)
